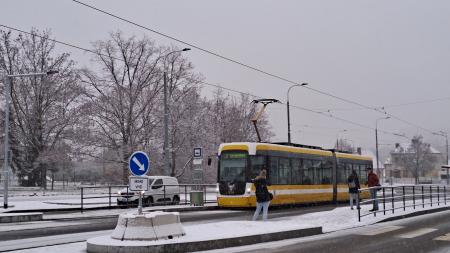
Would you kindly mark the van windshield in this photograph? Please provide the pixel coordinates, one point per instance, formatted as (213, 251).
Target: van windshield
(150, 181)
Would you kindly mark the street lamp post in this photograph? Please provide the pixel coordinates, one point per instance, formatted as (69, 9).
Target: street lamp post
(376, 142)
(444, 134)
(288, 114)
(7, 79)
(166, 115)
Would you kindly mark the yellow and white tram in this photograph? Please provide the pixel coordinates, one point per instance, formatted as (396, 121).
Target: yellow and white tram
(296, 173)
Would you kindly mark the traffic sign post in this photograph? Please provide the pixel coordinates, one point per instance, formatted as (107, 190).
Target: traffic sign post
(139, 165)
(197, 175)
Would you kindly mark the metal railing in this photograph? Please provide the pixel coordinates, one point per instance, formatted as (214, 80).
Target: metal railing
(107, 195)
(392, 198)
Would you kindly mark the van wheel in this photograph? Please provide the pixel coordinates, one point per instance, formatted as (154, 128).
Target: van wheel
(176, 200)
(148, 201)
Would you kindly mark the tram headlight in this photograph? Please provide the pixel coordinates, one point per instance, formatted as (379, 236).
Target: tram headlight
(249, 190)
(119, 192)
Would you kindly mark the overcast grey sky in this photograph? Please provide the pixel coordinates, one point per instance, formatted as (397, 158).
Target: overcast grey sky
(377, 53)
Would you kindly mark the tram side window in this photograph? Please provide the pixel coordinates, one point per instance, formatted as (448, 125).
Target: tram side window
(284, 171)
(342, 173)
(273, 170)
(327, 167)
(258, 163)
(317, 167)
(348, 171)
(363, 174)
(308, 172)
(297, 171)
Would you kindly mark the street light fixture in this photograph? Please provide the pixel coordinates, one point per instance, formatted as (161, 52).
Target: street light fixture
(444, 134)
(287, 105)
(376, 141)
(166, 116)
(7, 79)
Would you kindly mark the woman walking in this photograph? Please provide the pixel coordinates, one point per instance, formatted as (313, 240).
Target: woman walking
(263, 196)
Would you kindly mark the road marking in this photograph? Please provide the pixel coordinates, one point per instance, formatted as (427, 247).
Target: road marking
(138, 163)
(443, 238)
(417, 233)
(380, 230)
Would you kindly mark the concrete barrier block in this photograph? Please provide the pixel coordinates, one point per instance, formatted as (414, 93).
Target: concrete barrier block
(119, 231)
(140, 227)
(167, 225)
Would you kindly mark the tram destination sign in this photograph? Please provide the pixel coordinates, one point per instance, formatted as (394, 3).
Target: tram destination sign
(138, 184)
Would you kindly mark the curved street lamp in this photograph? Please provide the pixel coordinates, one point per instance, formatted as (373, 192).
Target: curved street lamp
(287, 105)
(166, 115)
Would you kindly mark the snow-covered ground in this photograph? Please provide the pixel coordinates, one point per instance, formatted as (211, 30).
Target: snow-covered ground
(335, 220)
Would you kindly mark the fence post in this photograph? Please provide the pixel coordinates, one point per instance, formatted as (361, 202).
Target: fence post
(164, 189)
(204, 187)
(358, 207)
(109, 194)
(445, 195)
(404, 208)
(414, 197)
(431, 195)
(392, 197)
(82, 199)
(423, 198)
(384, 201)
(438, 194)
(127, 197)
(185, 194)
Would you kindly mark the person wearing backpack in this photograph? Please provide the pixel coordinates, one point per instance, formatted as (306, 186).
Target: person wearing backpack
(263, 196)
(353, 186)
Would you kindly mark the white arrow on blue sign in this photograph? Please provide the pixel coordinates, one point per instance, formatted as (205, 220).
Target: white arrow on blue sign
(139, 163)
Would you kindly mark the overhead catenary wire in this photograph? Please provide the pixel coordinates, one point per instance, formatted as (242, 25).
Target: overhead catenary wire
(202, 82)
(247, 65)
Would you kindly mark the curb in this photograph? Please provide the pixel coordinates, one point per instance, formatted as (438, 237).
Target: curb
(70, 209)
(100, 244)
(20, 217)
(418, 213)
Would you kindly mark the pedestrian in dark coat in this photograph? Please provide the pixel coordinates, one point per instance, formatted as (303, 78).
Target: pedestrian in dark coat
(373, 182)
(262, 195)
(353, 186)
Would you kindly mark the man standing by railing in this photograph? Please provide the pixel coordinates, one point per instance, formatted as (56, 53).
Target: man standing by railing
(373, 183)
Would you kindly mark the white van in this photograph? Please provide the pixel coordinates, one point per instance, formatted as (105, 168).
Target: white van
(161, 189)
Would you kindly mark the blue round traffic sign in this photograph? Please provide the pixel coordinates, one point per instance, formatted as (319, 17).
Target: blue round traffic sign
(139, 163)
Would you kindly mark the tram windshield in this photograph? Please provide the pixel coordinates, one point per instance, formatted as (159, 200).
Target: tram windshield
(232, 166)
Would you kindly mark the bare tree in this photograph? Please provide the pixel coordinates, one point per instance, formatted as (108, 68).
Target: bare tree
(43, 108)
(125, 96)
(417, 158)
(344, 145)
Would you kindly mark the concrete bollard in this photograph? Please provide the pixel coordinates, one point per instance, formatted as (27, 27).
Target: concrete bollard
(148, 226)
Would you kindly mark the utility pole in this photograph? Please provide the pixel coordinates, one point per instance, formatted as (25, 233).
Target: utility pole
(376, 144)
